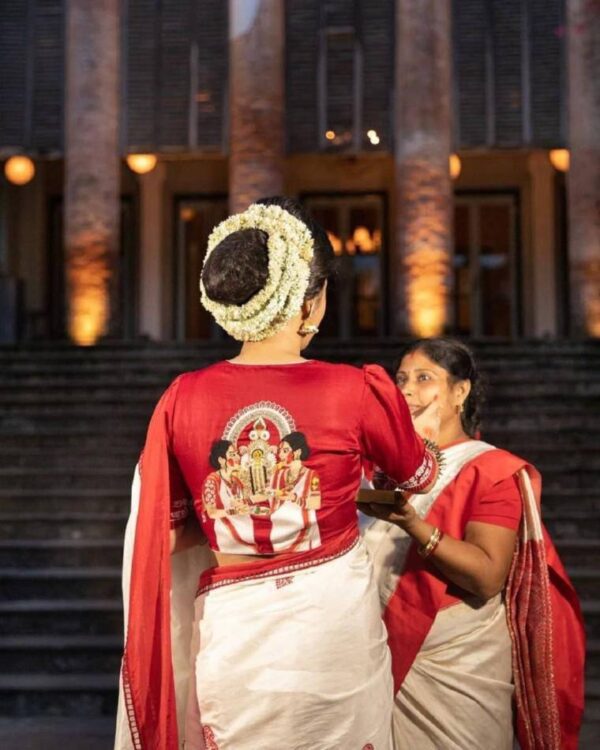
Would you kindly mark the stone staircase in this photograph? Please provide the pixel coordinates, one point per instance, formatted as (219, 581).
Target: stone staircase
(72, 423)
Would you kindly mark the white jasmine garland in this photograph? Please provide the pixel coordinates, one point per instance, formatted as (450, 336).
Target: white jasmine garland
(291, 247)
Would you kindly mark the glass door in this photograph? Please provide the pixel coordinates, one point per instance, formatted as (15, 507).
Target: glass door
(486, 264)
(355, 225)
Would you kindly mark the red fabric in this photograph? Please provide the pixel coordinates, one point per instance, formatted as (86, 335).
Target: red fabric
(147, 668)
(421, 591)
(501, 505)
(348, 415)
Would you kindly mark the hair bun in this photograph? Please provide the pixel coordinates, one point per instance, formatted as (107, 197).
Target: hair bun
(237, 268)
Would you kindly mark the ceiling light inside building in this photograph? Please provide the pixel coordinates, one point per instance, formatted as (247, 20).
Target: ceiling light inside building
(330, 135)
(455, 166)
(19, 170)
(141, 163)
(560, 159)
(373, 137)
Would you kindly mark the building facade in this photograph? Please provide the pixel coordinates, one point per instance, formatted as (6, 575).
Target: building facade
(353, 106)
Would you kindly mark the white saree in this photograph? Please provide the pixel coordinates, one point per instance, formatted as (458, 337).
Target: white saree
(293, 661)
(458, 692)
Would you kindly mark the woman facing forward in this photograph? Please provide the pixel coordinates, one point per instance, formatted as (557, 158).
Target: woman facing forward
(477, 604)
(288, 650)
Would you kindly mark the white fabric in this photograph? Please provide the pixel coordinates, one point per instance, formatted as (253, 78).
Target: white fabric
(296, 662)
(531, 523)
(186, 568)
(458, 692)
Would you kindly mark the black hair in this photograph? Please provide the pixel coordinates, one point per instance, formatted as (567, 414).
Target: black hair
(297, 441)
(218, 450)
(238, 267)
(459, 362)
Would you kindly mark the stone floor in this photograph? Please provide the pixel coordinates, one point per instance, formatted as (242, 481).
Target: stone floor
(97, 734)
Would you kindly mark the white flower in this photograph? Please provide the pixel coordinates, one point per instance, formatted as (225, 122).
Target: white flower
(291, 247)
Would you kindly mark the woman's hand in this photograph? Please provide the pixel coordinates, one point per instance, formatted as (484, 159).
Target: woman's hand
(427, 421)
(401, 514)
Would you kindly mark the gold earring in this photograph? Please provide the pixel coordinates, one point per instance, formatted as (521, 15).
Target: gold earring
(306, 329)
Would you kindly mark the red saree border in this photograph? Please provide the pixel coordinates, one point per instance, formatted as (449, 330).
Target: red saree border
(219, 576)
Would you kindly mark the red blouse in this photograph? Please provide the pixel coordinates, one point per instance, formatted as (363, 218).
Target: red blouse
(270, 456)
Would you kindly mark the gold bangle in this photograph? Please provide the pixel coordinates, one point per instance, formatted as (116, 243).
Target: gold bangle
(429, 548)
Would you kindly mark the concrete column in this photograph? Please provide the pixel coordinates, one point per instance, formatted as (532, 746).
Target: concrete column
(583, 182)
(151, 271)
(92, 167)
(421, 268)
(256, 100)
(543, 286)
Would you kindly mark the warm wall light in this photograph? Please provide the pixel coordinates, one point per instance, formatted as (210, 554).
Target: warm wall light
(19, 170)
(88, 289)
(455, 166)
(426, 269)
(141, 163)
(373, 137)
(560, 159)
(330, 135)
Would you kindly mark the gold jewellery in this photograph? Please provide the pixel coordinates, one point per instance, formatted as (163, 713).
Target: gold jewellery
(428, 549)
(307, 329)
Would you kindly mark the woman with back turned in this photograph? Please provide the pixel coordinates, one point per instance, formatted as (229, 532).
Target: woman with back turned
(266, 450)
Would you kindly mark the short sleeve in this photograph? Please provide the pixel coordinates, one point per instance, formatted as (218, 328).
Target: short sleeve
(159, 464)
(388, 437)
(501, 505)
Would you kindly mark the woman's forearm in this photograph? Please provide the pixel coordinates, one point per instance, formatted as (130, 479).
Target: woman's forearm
(463, 563)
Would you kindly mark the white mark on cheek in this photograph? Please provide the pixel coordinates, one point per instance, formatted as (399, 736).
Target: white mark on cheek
(243, 14)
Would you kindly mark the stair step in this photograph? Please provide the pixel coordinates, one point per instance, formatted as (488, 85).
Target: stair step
(58, 694)
(586, 582)
(591, 617)
(571, 523)
(62, 525)
(86, 499)
(56, 455)
(40, 553)
(579, 552)
(60, 583)
(111, 478)
(64, 617)
(58, 682)
(593, 660)
(104, 421)
(61, 654)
